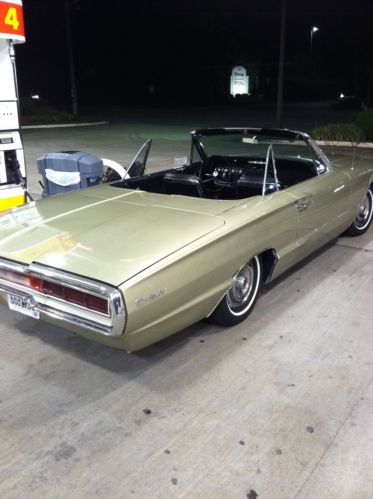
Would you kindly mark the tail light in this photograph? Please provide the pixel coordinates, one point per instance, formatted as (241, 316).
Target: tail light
(55, 290)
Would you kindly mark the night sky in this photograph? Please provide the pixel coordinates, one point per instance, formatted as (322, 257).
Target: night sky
(184, 51)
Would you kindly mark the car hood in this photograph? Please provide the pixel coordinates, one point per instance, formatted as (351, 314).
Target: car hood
(106, 233)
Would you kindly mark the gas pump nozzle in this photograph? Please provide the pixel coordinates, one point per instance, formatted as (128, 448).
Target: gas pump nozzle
(14, 169)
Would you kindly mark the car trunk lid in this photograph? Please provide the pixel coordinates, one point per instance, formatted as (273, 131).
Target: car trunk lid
(106, 238)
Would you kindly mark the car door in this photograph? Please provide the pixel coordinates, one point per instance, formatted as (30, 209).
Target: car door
(322, 205)
(278, 220)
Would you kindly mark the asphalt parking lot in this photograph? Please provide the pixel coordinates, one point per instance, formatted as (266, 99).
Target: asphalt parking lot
(280, 406)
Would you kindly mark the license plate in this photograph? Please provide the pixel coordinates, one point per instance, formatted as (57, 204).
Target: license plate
(23, 305)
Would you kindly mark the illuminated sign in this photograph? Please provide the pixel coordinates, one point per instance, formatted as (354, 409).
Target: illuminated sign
(12, 26)
(239, 81)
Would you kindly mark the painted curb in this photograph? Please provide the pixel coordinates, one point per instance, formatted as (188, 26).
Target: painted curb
(64, 125)
(331, 143)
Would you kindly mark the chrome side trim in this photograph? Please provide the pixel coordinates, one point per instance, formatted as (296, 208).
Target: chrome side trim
(111, 324)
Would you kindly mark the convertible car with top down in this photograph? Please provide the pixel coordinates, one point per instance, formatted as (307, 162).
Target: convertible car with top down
(142, 256)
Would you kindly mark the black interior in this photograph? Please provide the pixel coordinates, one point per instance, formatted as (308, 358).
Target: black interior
(222, 177)
(185, 184)
(291, 171)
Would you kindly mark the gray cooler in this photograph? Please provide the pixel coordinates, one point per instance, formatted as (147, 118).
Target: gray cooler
(68, 171)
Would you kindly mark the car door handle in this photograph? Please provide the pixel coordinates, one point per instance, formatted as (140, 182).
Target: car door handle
(302, 204)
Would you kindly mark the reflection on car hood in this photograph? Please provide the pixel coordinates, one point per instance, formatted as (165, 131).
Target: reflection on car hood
(105, 234)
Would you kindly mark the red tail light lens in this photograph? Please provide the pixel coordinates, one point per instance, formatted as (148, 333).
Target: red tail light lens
(86, 300)
(73, 296)
(96, 303)
(36, 283)
(15, 277)
(52, 289)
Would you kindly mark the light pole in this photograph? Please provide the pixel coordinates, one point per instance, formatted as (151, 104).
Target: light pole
(313, 31)
(74, 97)
(281, 64)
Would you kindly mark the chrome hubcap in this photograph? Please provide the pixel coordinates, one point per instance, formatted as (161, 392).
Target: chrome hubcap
(242, 286)
(363, 213)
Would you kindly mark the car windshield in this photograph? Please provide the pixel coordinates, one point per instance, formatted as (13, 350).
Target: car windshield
(254, 143)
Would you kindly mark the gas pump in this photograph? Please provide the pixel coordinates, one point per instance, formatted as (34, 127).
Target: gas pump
(12, 162)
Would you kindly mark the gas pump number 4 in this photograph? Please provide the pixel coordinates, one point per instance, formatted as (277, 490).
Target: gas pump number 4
(11, 19)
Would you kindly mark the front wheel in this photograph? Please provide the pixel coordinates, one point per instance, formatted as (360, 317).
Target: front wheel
(239, 300)
(364, 216)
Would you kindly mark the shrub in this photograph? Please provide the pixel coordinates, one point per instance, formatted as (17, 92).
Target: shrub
(364, 120)
(29, 105)
(46, 115)
(339, 132)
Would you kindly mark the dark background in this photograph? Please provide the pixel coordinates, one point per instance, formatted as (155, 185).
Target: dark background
(185, 50)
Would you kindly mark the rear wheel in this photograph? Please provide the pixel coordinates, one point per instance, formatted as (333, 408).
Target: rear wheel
(364, 216)
(239, 300)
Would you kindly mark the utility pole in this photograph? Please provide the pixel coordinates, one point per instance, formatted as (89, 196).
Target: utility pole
(74, 97)
(281, 64)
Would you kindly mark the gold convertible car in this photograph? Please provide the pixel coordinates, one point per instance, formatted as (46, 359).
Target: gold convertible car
(133, 260)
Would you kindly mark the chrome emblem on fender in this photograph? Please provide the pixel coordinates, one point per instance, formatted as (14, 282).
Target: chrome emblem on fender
(154, 296)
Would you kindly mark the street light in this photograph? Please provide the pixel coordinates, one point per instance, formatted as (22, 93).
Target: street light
(313, 31)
